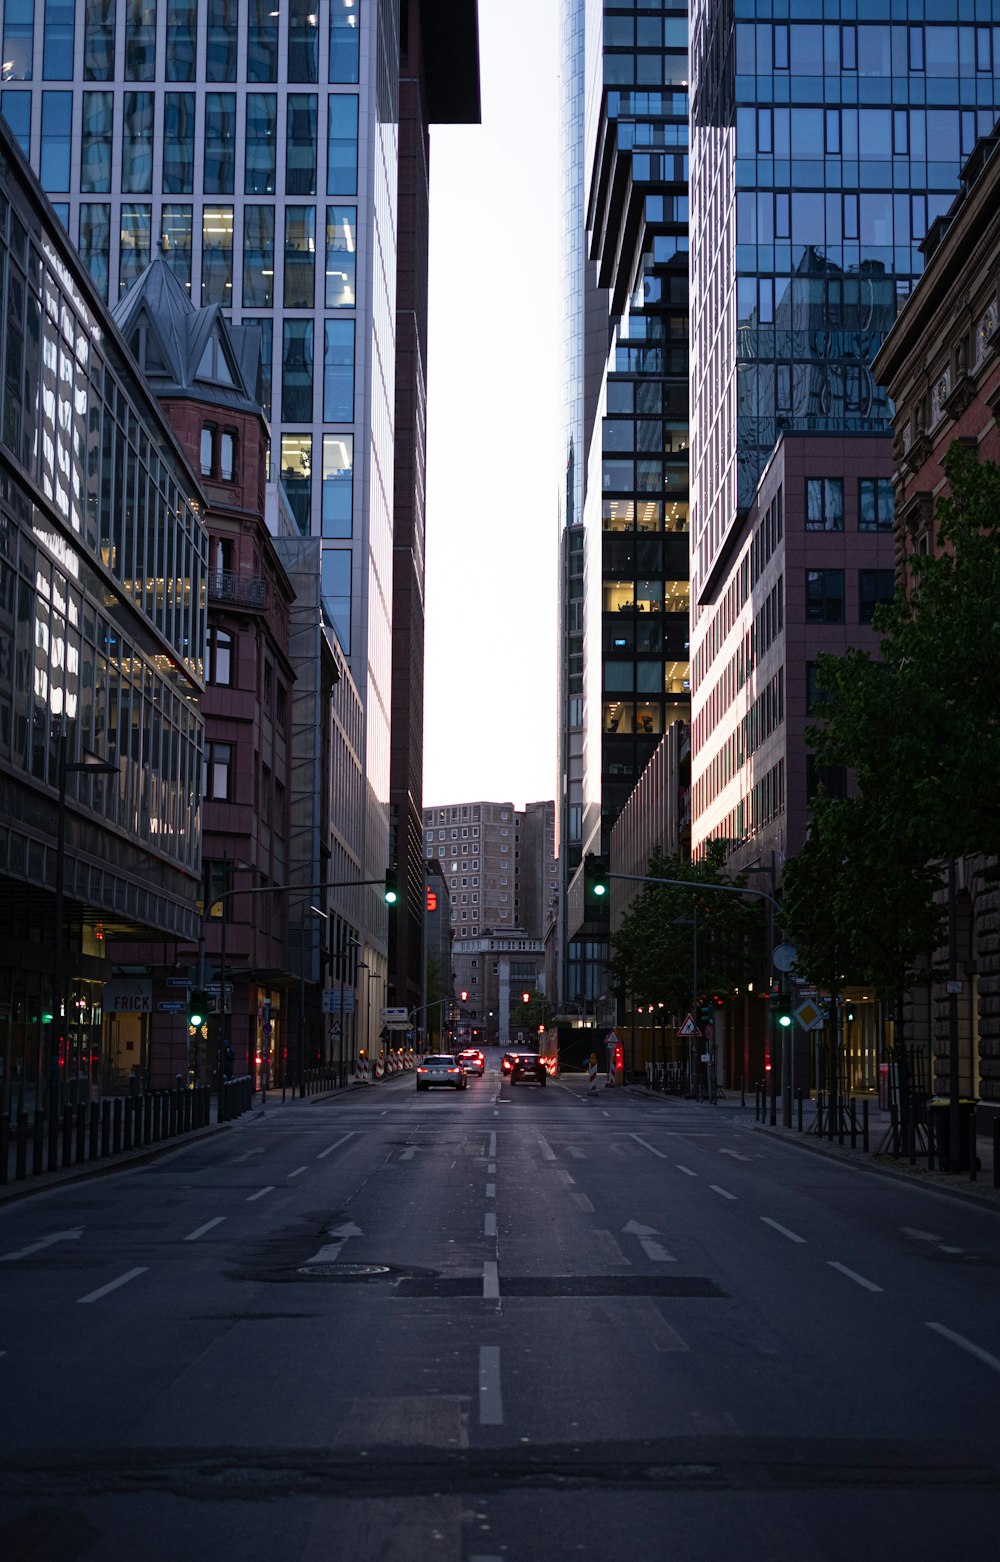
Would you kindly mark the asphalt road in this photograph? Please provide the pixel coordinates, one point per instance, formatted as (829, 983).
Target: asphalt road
(596, 1327)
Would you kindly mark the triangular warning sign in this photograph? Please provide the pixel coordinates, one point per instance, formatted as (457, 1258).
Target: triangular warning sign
(689, 1028)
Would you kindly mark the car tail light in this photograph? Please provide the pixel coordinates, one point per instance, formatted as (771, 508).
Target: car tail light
(421, 1070)
(454, 1071)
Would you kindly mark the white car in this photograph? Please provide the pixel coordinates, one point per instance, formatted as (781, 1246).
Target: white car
(441, 1068)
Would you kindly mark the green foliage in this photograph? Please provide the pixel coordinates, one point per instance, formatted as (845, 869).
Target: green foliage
(920, 730)
(652, 956)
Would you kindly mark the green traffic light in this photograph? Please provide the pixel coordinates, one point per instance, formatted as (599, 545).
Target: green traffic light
(785, 1020)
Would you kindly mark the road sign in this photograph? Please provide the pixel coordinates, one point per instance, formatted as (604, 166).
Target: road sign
(331, 1000)
(809, 1015)
(335, 1030)
(179, 981)
(175, 1006)
(689, 1028)
(398, 1013)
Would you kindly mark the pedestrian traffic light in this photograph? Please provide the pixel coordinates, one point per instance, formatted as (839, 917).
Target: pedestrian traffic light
(595, 879)
(198, 1006)
(391, 893)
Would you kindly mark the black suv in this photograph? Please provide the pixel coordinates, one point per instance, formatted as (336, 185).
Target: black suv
(528, 1065)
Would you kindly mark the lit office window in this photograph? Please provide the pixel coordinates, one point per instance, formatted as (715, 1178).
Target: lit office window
(338, 371)
(137, 143)
(220, 143)
(217, 256)
(220, 40)
(98, 40)
(95, 242)
(342, 145)
(344, 40)
(178, 143)
(175, 232)
(300, 147)
(262, 41)
(341, 248)
(266, 327)
(296, 477)
(300, 257)
(303, 40)
(133, 255)
(140, 40)
(258, 256)
(57, 118)
(182, 32)
(335, 581)
(57, 40)
(95, 141)
(338, 485)
(297, 372)
(261, 143)
(16, 110)
(18, 39)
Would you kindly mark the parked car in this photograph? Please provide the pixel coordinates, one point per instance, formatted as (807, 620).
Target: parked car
(440, 1068)
(472, 1060)
(528, 1066)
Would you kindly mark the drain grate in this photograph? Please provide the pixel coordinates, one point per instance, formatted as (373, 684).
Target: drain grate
(344, 1271)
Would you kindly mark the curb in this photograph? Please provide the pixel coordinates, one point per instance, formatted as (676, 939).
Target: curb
(48, 1182)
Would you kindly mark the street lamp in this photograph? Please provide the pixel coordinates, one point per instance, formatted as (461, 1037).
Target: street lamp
(90, 765)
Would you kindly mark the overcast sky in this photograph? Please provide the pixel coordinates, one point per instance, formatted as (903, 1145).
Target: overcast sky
(492, 436)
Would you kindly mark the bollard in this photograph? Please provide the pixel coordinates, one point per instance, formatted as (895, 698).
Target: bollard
(21, 1154)
(854, 1125)
(4, 1147)
(81, 1131)
(129, 1105)
(53, 1134)
(147, 1118)
(173, 1108)
(38, 1140)
(116, 1137)
(105, 1128)
(67, 1135)
(95, 1115)
(864, 1126)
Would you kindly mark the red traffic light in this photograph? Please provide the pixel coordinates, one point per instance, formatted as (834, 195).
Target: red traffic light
(525, 997)
(464, 994)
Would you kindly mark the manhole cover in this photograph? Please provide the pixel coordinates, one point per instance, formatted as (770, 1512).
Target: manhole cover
(344, 1271)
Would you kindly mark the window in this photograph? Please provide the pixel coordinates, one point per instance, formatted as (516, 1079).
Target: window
(262, 41)
(227, 456)
(341, 247)
(338, 485)
(134, 244)
(342, 146)
(175, 231)
(137, 143)
(300, 256)
(178, 143)
(258, 257)
(876, 587)
(876, 504)
(57, 43)
(218, 771)
(297, 372)
(219, 656)
(300, 148)
(261, 141)
(338, 371)
(344, 40)
(18, 39)
(16, 110)
(296, 478)
(217, 256)
(303, 41)
(824, 596)
(824, 504)
(95, 242)
(182, 31)
(336, 584)
(207, 450)
(140, 40)
(57, 118)
(95, 141)
(220, 40)
(98, 40)
(220, 143)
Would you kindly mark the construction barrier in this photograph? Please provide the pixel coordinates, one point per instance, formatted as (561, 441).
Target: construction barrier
(361, 1068)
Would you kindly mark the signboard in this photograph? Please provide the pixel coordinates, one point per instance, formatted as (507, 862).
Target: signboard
(179, 981)
(331, 1000)
(689, 1028)
(335, 1030)
(175, 1006)
(129, 996)
(809, 1015)
(396, 1019)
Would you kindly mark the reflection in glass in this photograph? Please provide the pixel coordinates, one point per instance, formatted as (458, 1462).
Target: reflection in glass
(262, 41)
(57, 119)
(140, 40)
(296, 477)
(338, 484)
(178, 143)
(341, 245)
(217, 256)
(258, 256)
(95, 141)
(335, 576)
(182, 33)
(134, 250)
(303, 40)
(297, 372)
(137, 143)
(95, 242)
(220, 40)
(261, 143)
(175, 231)
(57, 41)
(16, 110)
(338, 371)
(344, 40)
(18, 39)
(300, 147)
(220, 143)
(342, 148)
(266, 326)
(300, 256)
(98, 40)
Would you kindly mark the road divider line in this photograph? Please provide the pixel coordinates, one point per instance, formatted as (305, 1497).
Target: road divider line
(650, 1147)
(548, 1154)
(686, 1170)
(194, 1235)
(260, 1193)
(490, 1400)
(491, 1167)
(336, 1146)
(491, 1190)
(964, 1344)
(298, 1171)
(852, 1274)
(491, 1280)
(491, 1152)
(489, 1224)
(776, 1226)
(721, 1191)
(113, 1285)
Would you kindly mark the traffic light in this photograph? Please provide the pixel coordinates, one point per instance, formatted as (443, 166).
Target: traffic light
(464, 995)
(391, 893)
(781, 1008)
(595, 879)
(525, 997)
(198, 1007)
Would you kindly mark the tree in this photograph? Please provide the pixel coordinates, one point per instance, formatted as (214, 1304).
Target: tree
(652, 953)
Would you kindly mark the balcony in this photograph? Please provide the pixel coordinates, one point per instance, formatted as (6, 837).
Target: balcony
(237, 590)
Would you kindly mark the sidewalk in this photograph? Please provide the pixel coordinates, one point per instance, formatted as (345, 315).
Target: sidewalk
(957, 1184)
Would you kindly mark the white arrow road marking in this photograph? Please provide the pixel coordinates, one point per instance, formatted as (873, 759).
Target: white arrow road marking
(735, 1155)
(347, 1229)
(634, 1229)
(331, 1251)
(73, 1235)
(656, 1252)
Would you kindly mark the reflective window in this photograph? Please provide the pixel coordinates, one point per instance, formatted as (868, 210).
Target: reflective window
(98, 40)
(18, 39)
(261, 142)
(342, 145)
(876, 587)
(824, 596)
(178, 143)
(206, 451)
(341, 247)
(134, 242)
(16, 110)
(300, 257)
(876, 504)
(303, 40)
(335, 580)
(95, 141)
(338, 371)
(296, 478)
(258, 256)
(57, 42)
(140, 40)
(824, 504)
(297, 372)
(182, 33)
(344, 39)
(95, 242)
(217, 255)
(338, 484)
(300, 148)
(57, 119)
(219, 656)
(137, 143)
(262, 41)
(220, 40)
(175, 233)
(266, 328)
(227, 456)
(218, 773)
(220, 143)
